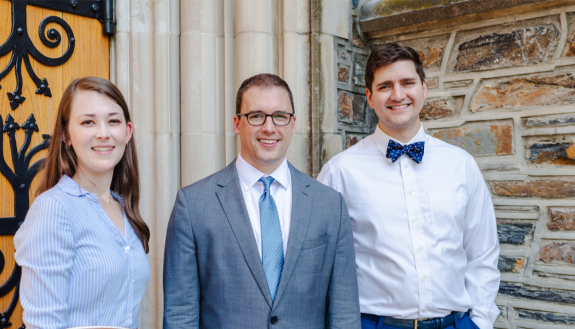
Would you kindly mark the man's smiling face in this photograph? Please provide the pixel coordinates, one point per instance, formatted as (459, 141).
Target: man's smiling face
(397, 96)
(264, 147)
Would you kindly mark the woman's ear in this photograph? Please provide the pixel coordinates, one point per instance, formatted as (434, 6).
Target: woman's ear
(65, 138)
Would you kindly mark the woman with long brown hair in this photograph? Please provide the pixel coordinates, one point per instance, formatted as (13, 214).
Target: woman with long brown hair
(82, 246)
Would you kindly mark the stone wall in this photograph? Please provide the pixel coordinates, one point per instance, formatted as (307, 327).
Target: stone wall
(502, 88)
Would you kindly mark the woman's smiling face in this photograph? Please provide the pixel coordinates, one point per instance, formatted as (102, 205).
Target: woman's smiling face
(97, 131)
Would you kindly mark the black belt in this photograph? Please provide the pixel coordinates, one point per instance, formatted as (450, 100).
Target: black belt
(436, 323)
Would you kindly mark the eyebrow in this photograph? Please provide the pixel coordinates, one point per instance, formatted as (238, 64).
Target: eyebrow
(389, 82)
(259, 111)
(93, 115)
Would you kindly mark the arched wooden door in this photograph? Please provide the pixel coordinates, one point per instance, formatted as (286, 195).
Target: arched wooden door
(44, 45)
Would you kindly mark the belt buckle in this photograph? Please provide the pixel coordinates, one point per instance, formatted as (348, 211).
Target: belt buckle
(415, 324)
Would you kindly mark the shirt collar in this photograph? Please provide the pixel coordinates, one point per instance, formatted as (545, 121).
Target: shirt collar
(68, 185)
(249, 175)
(381, 140)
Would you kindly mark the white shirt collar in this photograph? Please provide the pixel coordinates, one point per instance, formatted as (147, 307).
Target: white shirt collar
(381, 140)
(249, 175)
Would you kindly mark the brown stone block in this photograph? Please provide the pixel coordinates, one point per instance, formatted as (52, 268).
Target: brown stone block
(430, 50)
(561, 220)
(549, 120)
(543, 188)
(480, 139)
(352, 139)
(441, 107)
(343, 73)
(343, 54)
(558, 253)
(344, 111)
(557, 89)
(570, 47)
(432, 83)
(358, 108)
(351, 107)
(458, 84)
(510, 264)
(554, 150)
(526, 42)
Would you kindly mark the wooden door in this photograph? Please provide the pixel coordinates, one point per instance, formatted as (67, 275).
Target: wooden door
(44, 45)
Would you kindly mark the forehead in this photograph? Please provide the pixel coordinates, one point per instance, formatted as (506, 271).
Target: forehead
(92, 102)
(265, 98)
(404, 69)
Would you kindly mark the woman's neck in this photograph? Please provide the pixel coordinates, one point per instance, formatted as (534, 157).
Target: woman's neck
(98, 184)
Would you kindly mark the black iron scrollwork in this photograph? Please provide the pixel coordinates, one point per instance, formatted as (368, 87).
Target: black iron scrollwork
(20, 180)
(22, 48)
(23, 173)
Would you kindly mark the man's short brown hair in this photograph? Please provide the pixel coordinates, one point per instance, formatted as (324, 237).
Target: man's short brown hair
(264, 81)
(389, 54)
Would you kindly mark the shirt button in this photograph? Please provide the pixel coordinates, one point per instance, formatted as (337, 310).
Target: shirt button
(423, 279)
(425, 309)
(414, 220)
(405, 165)
(419, 249)
(410, 192)
(129, 314)
(127, 248)
(133, 280)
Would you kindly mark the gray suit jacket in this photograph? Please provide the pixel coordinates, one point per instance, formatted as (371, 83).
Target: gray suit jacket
(213, 274)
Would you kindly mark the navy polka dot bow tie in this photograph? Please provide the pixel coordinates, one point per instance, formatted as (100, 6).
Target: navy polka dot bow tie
(414, 151)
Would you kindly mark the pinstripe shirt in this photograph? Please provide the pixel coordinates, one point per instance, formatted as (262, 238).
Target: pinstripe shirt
(77, 269)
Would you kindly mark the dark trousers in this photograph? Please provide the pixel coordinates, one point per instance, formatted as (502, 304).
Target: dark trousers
(463, 323)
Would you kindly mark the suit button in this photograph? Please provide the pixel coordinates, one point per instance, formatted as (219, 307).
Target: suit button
(274, 320)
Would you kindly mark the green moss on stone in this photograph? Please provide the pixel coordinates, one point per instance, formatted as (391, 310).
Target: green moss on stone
(394, 7)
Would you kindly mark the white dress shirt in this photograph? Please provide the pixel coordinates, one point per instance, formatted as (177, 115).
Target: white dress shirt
(425, 234)
(281, 191)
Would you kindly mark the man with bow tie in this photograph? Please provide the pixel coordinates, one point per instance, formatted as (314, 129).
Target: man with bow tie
(423, 222)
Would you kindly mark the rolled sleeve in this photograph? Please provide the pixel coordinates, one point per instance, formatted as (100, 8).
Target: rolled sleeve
(481, 246)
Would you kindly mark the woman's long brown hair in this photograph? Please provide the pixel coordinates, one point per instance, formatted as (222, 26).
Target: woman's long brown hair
(62, 160)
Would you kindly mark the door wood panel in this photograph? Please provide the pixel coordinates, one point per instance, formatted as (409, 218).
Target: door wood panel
(90, 58)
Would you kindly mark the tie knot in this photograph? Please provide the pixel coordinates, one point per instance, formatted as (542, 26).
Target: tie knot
(267, 181)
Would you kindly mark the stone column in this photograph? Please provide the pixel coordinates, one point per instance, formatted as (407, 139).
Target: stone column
(329, 19)
(294, 69)
(145, 66)
(273, 37)
(256, 38)
(207, 47)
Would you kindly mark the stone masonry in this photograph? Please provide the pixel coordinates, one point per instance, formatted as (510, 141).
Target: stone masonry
(503, 89)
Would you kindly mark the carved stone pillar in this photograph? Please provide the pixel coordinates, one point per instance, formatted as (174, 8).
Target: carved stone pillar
(146, 67)
(207, 87)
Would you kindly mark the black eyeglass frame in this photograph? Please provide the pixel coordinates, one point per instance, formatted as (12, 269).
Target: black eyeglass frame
(266, 118)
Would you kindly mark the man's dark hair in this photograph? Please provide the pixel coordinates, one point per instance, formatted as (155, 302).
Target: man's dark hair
(389, 54)
(264, 80)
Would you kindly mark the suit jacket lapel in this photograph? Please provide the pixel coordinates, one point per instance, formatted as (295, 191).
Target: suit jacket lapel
(301, 209)
(233, 203)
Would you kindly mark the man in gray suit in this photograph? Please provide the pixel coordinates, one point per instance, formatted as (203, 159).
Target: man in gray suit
(260, 244)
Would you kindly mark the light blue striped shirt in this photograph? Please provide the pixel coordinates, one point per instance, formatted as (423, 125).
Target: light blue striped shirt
(77, 269)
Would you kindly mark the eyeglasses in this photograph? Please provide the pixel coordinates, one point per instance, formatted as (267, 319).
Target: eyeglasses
(259, 118)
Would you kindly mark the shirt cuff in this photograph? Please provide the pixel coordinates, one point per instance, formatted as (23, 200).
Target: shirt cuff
(481, 323)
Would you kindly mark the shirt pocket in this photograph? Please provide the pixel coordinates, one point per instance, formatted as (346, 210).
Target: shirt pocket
(447, 212)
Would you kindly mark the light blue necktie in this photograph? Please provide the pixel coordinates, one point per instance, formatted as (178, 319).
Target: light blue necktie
(272, 245)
